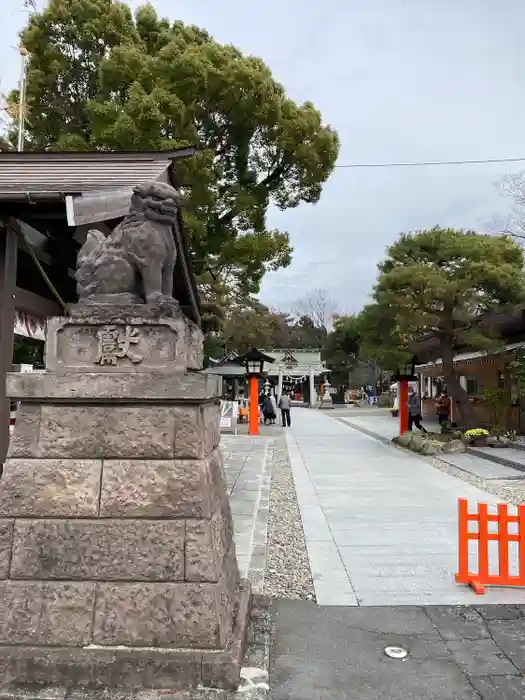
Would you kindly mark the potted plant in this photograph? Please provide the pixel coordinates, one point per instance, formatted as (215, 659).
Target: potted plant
(477, 437)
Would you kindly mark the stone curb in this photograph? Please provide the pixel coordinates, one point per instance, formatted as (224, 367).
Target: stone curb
(504, 461)
(259, 554)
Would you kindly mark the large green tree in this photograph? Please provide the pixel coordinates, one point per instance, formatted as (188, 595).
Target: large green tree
(101, 78)
(341, 348)
(254, 325)
(380, 338)
(306, 334)
(446, 283)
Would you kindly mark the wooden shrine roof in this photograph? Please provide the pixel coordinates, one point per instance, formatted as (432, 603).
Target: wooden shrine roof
(54, 198)
(55, 174)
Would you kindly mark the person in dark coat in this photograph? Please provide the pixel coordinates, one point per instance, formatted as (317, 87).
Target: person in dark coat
(268, 410)
(414, 411)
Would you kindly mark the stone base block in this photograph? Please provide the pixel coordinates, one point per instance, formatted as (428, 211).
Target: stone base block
(125, 667)
(125, 431)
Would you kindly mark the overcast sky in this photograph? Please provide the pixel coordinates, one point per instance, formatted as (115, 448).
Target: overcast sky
(400, 80)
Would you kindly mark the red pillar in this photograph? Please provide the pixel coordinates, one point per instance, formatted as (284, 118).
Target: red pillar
(403, 407)
(254, 406)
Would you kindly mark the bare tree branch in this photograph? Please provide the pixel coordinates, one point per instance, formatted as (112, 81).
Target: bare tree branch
(319, 308)
(512, 223)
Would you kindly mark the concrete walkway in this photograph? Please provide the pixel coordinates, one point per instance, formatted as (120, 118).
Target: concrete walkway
(247, 469)
(380, 524)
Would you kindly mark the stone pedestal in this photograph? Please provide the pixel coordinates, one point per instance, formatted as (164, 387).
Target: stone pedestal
(326, 401)
(117, 562)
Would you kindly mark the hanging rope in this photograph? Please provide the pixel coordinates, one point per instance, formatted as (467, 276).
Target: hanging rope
(13, 223)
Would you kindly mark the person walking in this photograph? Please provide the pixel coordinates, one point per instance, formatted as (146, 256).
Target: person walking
(414, 411)
(285, 405)
(443, 408)
(274, 406)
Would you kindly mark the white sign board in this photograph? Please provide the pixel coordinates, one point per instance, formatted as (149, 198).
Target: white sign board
(229, 410)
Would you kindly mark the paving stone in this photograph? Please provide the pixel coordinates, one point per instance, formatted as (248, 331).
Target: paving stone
(246, 508)
(481, 657)
(481, 467)
(500, 612)
(509, 454)
(246, 467)
(499, 687)
(510, 637)
(456, 623)
(323, 653)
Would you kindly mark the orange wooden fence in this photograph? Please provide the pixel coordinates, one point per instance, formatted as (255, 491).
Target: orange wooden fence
(482, 535)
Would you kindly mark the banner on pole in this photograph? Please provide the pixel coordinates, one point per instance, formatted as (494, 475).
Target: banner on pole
(229, 415)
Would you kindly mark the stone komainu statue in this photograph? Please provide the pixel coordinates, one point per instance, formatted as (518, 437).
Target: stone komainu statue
(135, 263)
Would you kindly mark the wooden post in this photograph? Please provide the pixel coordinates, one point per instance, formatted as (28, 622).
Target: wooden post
(8, 262)
(403, 407)
(254, 406)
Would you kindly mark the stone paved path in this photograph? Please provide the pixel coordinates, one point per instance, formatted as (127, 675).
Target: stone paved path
(380, 524)
(247, 467)
(487, 463)
(465, 653)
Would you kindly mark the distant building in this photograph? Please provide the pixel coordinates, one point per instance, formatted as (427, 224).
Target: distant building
(297, 371)
(477, 371)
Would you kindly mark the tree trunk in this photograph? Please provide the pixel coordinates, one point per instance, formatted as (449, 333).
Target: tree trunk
(455, 390)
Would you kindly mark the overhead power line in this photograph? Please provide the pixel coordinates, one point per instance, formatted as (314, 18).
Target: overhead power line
(423, 163)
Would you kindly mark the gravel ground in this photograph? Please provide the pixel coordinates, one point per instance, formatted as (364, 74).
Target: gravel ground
(288, 569)
(510, 491)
